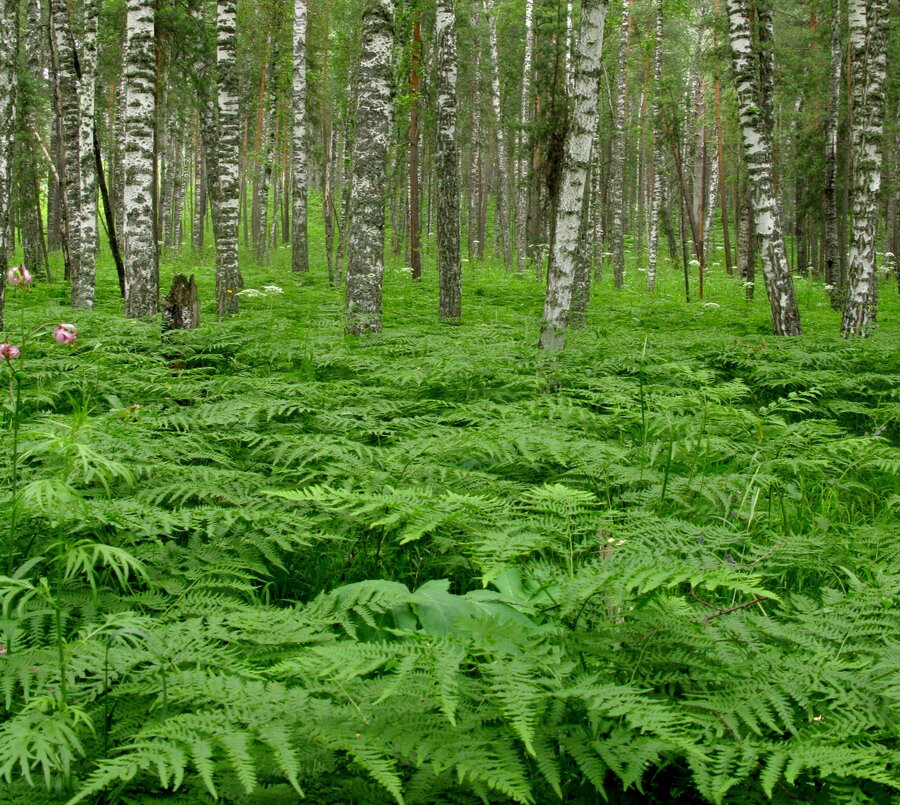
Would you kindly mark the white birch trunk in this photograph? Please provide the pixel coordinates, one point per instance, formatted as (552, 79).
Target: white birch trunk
(365, 261)
(64, 45)
(299, 252)
(450, 307)
(8, 73)
(502, 213)
(655, 181)
(84, 276)
(617, 178)
(227, 270)
(579, 138)
(522, 195)
(869, 23)
(832, 257)
(756, 136)
(141, 268)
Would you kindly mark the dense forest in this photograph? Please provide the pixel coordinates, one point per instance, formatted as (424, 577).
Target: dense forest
(468, 401)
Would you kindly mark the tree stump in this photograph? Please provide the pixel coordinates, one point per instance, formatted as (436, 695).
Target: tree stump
(181, 308)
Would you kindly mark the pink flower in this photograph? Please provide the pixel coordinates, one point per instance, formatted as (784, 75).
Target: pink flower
(65, 333)
(9, 351)
(19, 275)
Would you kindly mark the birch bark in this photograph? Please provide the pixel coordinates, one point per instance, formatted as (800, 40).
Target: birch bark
(141, 268)
(522, 194)
(299, 251)
(756, 135)
(83, 277)
(447, 166)
(869, 22)
(655, 182)
(618, 150)
(229, 130)
(502, 212)
(365, 259)
(579, 137)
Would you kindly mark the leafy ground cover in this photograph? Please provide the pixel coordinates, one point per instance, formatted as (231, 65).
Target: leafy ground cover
(437, 566)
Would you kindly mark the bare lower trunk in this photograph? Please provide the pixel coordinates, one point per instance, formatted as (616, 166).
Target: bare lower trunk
(522, 179)
(655, 181)
(502, 211)
(869, 22)
(365, 257)
(582, 129)
(756, 134)
(447, 166)
(618, 151)
(141, 268)
(228, 157)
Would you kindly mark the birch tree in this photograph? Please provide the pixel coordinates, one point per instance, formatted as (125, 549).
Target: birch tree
(141, 267)
(84, 274)
(8, 32)
(67, 110)
(502, 212)
(655, 181)
(579, 137)
(756, 138)
(299, 252)
(227, 269)
(832, 258)
(522, 194)
(618, 150)
(869, 23)
(365, 261)
(448, 213)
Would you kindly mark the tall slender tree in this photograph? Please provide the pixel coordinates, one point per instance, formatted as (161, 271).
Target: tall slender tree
(228, 147)
(756, 133)
(619, 146)
(365, 259)
(523, 145)
(655, 181)
(502, 211)
(869, 23)
(447, 166)
(83, 277)
(8, 33)
(299, 250)
(141, 266)
(579, 137)
(832, 258)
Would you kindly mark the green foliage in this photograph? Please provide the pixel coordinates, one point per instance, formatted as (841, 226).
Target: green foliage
(262, 562)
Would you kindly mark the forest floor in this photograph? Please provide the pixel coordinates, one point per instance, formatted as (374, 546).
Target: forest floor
(677, 473)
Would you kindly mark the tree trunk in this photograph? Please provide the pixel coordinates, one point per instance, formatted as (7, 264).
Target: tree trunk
(299, 251)
(618, 150)
(181, 308)
(365, 260)
(8, 74)
(655, 181)
(756, 133)
(227, 268)
(502, 211)
(68, 112)
(869, 24)
(415, 259)
(523, 146)
(582, 129)
(447, 166)
(141, 268)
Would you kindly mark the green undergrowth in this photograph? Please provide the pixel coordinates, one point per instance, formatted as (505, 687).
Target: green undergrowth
(263, 561)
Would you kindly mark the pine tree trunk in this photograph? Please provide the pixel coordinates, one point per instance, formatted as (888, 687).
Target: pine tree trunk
(869, 25)
(141, 268)
(756, 133)
(365, 257)
(503, 210)
(299, 252)
(447, 166)
(581, 133)
(229, 130)
(655, 181)
(523, 148)
(618, 150)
